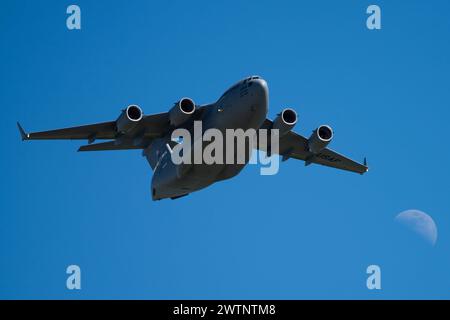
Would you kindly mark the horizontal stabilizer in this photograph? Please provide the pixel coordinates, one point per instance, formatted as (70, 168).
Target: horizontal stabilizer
(104, 146)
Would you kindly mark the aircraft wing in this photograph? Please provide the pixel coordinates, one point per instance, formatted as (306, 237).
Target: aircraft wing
(151, 125)
(104, 130)
(294, 145)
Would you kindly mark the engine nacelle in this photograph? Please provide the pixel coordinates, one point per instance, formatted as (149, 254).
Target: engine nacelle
(129, 118)
(320, 138)
(285, 121)
(182, 111)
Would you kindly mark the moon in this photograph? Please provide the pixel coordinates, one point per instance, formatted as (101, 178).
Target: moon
(420, 223)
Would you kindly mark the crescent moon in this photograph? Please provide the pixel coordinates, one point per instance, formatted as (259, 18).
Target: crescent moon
(419, 222)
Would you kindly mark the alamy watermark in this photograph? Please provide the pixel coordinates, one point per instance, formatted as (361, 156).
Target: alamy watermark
(374, 280)
(73, 21)
(373, 22)
(73, 281)
(211, 147)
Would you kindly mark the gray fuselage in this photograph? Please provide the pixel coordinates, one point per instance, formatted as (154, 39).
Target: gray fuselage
(243, 106)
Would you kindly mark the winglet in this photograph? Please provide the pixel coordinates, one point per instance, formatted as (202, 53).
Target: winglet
(24, 135)
(365, 164)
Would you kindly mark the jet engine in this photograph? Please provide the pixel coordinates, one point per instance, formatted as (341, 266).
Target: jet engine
(320, 138)
(129, 118)
(181, 112)
(285, 121)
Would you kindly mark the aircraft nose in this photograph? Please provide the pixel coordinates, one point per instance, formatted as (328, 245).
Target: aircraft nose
(260, 92)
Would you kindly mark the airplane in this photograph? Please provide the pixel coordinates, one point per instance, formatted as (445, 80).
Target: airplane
(244, 105)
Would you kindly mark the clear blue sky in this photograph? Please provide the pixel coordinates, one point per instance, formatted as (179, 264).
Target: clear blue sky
(303, 233)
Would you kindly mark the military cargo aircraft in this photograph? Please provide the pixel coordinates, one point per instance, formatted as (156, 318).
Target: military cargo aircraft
(244, 106)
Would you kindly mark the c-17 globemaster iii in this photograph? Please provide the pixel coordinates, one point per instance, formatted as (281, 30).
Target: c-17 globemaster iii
(243, 106)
